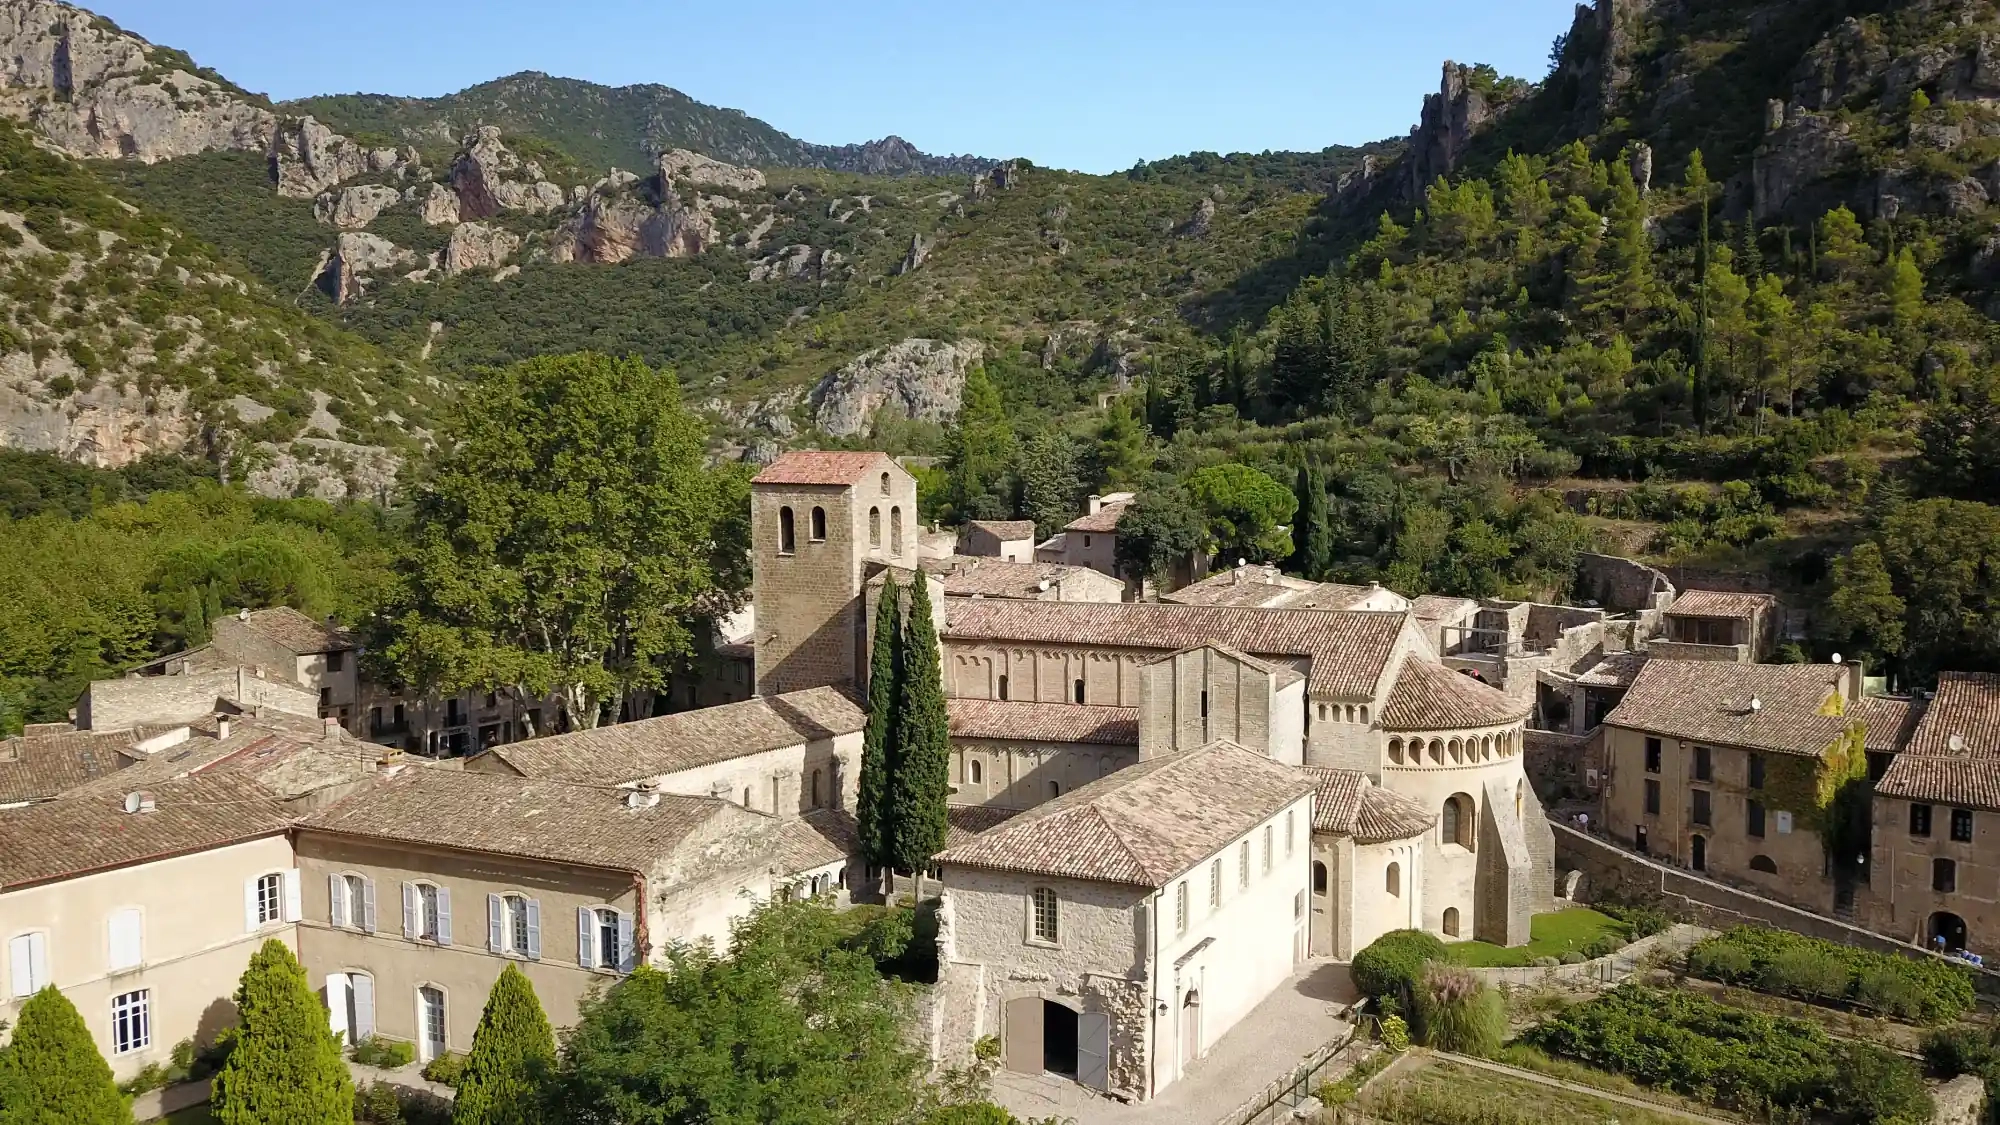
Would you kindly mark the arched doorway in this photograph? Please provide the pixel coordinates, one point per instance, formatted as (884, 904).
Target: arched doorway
(1058, 1039)
(1944, 924)
(1190, 1027)
(1698, 853)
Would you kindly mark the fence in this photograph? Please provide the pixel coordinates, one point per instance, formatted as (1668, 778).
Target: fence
(1276, 1101)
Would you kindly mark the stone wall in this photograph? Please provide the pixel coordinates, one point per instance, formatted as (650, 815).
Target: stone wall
(1559, 765)
(1017, 774)
(121, 704)
(1621, 585)
(1961, 1101)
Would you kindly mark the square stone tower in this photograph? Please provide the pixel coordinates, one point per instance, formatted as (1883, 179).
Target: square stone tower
(820, 524)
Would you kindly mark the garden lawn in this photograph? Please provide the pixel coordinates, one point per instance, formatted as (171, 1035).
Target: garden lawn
(1444, 1093)
(1550, 935)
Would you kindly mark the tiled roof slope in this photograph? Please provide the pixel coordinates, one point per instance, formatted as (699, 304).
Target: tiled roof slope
(1953, 755)
(627, 752)
(288, 756)
(1103, 520)
(296, 632)
(964, 577)
(817, 838)
(1349, 649)
(1007, 530)
(963, 822)
(1441, 607)
(584, 825)
(1269, 588)
(1143, 825)
(1710, 701)
(1346, 803)
(1719, 603)
(1891, 721)
(35, 767)
(84, 833)
(813, 466)
(1430, 696)
(1043, 722)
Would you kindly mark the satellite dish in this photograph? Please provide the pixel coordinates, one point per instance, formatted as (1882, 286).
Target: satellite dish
(1756, 704)
(1836, 658)
(1957, 743)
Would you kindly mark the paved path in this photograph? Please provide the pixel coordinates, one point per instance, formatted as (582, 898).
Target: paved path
(1580, 1088)
(1266, 1045)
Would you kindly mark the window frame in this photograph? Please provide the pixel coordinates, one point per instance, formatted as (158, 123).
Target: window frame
(1961, 817)
(609, 919)
(275, 881)
(430, 916)
(37, 952)
(1652, 796)
(1754, 817)
(1701, 808)
(1920, 819)
(1704, 763)
(1180, 909)
(1944, 875)
(131, 1022)
(788, 531)
(1654, 755)
(1044, 917)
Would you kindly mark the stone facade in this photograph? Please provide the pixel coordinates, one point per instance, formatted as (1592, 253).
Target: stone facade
(135, 700)
(1931, 871)
(1020, 774)
(1192, 698)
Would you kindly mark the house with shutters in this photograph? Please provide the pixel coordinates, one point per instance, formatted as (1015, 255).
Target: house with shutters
(420, 887)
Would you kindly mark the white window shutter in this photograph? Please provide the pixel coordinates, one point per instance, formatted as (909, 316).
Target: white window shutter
(410, 911)
(21, 965)
(364, 1005)
(294, 898)
(126, 939)
(625, 950)
(368, 905)
(38, 961)
(336, 1007)
(534, 950)
(336, 900)
(444, 915)
(496, 924)
(250, 905)
(586, 937)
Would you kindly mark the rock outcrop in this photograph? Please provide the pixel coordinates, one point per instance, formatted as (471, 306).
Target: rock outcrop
(108, 425)
(490, 178)
(326, 469)
(478, 246)
(440, 206)
(798, 262)
(1451, 118)
(96, 91)
(355, 207)
(917, 378)
(1201, 222)
(307, 158)
(920, 249)
(1798, 153)
(680, 166)
(356, 254)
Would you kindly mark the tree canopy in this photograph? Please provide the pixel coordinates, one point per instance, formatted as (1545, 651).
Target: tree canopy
(285, 1067)
(51, 1072)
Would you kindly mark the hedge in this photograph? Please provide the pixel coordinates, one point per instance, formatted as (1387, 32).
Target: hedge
(1759, 1065)
(1391, 966)
(1925, 989)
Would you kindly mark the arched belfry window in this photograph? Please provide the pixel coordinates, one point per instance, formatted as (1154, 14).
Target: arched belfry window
(788, 540)
(1455, 821)
(874, 527)
(896, 530)
(819, 524)
(885, 484)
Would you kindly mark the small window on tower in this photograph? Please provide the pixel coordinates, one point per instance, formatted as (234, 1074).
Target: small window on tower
(819, 524)
(787, 534)
(885, 484)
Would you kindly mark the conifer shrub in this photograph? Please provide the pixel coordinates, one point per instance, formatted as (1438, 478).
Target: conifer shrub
(512, 1053)
(1392, 964)
(51, 1072)
(286, 1067)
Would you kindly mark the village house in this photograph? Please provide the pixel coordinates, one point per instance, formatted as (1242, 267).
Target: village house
(1719, 625)
(966, 577)
(1091, 539)
(1262, 586)
(1007, 540)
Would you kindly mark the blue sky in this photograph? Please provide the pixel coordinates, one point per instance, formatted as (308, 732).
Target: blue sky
(1088, 84)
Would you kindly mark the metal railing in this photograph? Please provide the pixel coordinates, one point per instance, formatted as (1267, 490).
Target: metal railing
(1275, 1102)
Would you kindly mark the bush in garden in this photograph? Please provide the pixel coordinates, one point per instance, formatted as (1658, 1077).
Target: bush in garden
(1392, 964)
(53, 1072)
(1926, 989)
(1806, 973)
(1720, 961)
(387, 1054)
(1395, 1034)
(1457, 1012)
(1890, 993)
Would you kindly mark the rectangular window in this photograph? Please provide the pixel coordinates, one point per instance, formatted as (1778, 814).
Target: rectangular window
(1045, 914)
(127, 938)
(335, 661)
(270, 898)
(1652, 797)
(610, 950)
(1267, 849)
(1215, 885)
(1652, 755)
(1700, 806)
(1961, 825)
(1756, 771)
(1944, 876)
(1243, 865)
(1920, 819)
(132, 1022)
(1754, 818)
(1704, 767)
(1289, 815)
(1180, 907)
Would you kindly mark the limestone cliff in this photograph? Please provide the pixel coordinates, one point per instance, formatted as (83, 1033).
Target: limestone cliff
(917, 378)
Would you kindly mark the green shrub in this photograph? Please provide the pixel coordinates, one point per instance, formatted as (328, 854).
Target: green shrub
(1952, 1051)
(1925, 989)
(52, 1071)
(1642, 921)
(388, 1054)
(446, 1069)
(1457, 1012)
(1392, 964)
(1395, 1034)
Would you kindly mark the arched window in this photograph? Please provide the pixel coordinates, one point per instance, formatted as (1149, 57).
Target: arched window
(1003, 688)
(1319, 878)
(1457, 751)
(1079, 690)
(1520, 798)
(1455, 822)
(1392, 881)
(787, 534)
(896, 530)
(875, 528)
(1396, 750)
(818, 524)
(1451, 921)
(978, 773)
(1437, 751)
(1364, 714)
(885, 484)
(1763, 863)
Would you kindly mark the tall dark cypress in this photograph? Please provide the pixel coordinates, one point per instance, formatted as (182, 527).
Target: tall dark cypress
(1316, 526)
(920, 782)
(885, 667)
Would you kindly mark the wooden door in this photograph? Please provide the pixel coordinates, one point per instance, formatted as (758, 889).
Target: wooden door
(1022, 1026)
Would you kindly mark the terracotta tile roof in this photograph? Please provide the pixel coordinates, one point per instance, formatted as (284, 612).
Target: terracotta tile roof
(84, 833)
(1145, 824)
(35, 767)
(1953, 754)
(813, 466)
(1438, 607)
(1890, 721)
(1719, 603)
(1349, 649)
(1263, 586)
(1006, 530)
(296, 632)
(1430, 696)
(817, 838)
(1710, 701)
(1336, 799)
(1104, 519)
(627, 752)
(1617, 669)
(980, 577)
(1043, 722)
(963, 822)
(1346, 803)
(583, 825)
(288, 756)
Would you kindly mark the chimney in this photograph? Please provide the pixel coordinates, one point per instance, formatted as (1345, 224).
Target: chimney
(1857, 681)
(221, 727)
(1096, 502)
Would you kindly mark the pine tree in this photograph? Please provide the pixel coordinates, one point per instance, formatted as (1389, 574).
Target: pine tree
(511, 1052)
(979, 449)
(921, 780)
(885, 670)
(286, 1067)
(52, 1073)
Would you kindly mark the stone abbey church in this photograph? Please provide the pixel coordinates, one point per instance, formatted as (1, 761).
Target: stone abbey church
(1186, 801)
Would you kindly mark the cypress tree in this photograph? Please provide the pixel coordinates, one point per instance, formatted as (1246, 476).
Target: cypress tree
(286, 1067)
(52, 1074)
(511, 1052)
(921, 779)
(1316, 522)
(872, 812)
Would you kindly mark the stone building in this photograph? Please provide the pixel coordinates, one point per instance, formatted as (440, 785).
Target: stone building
(1935, 816)
(966, 577)
(1261, 586)
(1717, 766)
(1117, 932)
(1369, 847)
(1007, 540)
(1716, 625)
(1017, 755)
(1091, 539)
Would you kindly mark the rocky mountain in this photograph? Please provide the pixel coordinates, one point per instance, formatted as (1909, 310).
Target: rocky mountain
(605, 127)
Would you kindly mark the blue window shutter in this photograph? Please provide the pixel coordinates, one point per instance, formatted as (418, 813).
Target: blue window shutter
(534, 950)
(586, 937)
(444, 915)
(496, 922)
